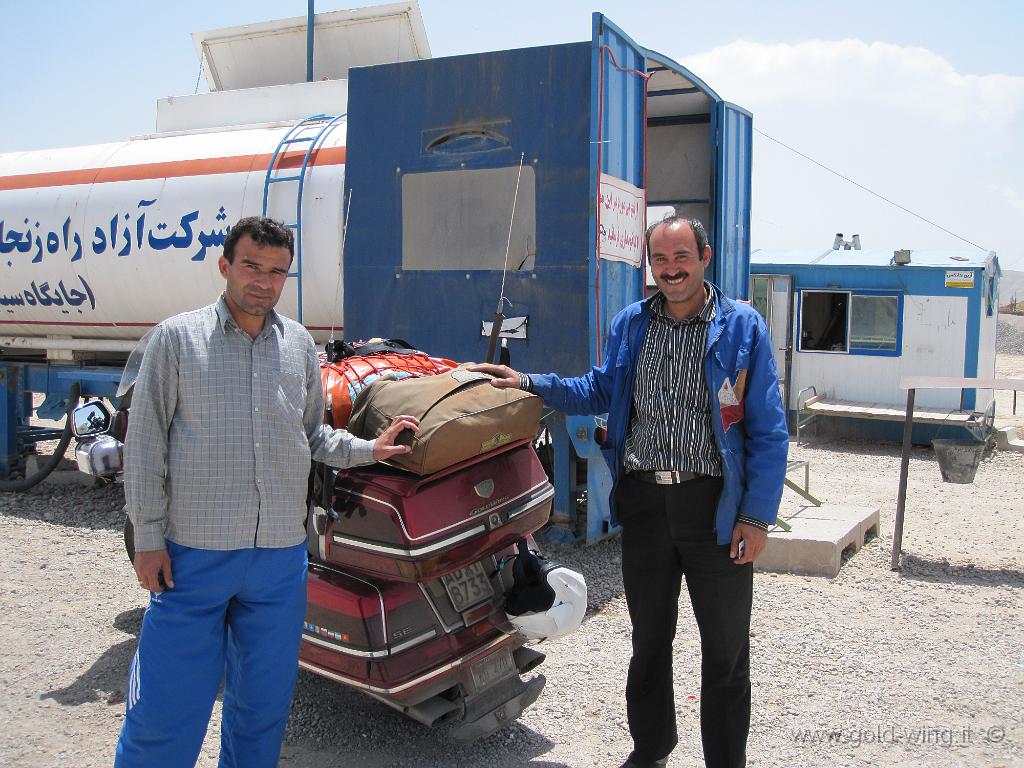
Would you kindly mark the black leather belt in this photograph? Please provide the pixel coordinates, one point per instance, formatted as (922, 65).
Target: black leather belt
(665, 477)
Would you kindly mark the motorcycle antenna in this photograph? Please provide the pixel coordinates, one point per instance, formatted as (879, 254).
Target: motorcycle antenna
(499, 317)
(344, 233)
(326, 486)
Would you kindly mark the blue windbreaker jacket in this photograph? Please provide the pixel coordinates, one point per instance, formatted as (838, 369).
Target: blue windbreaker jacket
(746, 405)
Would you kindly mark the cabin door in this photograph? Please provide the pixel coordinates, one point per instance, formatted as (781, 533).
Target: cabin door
(772, 296)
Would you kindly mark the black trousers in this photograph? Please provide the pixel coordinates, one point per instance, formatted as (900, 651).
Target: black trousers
(667, 533)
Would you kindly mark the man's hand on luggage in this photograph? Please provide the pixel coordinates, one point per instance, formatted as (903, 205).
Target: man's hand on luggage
(754, 541)
(504, 377)
(384, 447)
(149, 566)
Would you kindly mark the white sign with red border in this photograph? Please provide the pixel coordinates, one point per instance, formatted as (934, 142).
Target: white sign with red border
(622, 213)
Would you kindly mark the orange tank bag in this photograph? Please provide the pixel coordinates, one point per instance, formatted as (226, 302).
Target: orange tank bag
(344, 379)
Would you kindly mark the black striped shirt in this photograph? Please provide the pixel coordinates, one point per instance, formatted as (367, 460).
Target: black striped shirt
(670, 424)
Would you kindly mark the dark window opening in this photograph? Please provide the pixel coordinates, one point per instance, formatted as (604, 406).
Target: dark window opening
(823, 321)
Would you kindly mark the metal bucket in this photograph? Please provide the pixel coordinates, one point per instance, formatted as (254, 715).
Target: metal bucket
(958, 459)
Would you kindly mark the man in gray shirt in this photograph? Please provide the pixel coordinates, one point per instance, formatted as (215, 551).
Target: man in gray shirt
(226, 416)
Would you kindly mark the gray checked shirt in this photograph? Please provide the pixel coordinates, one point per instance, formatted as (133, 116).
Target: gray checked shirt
(222, 431)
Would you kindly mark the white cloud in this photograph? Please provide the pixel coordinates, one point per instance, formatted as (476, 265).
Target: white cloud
(879, 75)
(900, 120)
(1013, 198)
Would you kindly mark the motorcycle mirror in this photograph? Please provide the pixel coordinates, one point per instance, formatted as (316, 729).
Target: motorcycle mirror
(90, 419)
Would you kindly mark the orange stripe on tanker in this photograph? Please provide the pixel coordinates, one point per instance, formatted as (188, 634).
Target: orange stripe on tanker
(169, 169)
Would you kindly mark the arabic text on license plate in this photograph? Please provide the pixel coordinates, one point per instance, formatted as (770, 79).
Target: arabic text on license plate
(494, 667)
(468, 586)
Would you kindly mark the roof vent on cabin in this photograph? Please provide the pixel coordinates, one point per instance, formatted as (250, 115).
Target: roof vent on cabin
(901, 258)
(846, 245)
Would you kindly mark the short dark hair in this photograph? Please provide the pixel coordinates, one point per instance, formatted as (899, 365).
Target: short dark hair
(263, 231)
(699, 233)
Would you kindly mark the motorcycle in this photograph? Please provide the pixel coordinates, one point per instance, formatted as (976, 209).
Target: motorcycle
(422, 592)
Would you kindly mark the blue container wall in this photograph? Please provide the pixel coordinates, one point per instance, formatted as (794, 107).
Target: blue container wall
(575, 111)
(541, 98)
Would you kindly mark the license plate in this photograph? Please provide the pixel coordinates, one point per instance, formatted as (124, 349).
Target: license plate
(493, 668)
(468, 586)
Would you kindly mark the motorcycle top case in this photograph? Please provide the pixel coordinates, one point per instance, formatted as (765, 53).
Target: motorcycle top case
(394, 525)
(461, 416)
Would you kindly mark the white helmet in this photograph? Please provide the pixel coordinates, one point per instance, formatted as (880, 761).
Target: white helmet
(546, 600)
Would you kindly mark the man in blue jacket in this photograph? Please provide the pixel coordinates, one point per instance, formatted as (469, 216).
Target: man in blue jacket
(697, 444)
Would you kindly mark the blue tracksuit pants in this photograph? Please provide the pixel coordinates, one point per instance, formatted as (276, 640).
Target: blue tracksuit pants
(234, 615)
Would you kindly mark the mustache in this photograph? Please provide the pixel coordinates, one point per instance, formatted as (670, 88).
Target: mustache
(675, 276)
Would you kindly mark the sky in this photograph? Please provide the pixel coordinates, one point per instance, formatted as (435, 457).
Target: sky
(920, 102)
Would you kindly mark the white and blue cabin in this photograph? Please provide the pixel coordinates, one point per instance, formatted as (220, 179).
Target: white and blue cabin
(847, 325)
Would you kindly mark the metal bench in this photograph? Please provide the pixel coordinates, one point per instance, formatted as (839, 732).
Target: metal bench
(810, 405)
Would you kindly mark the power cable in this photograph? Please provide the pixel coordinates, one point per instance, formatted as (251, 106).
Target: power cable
(871, 191)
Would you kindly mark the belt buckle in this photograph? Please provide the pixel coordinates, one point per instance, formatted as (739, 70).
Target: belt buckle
(664, 477)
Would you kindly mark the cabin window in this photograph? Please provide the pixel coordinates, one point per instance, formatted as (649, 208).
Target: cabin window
(874, 323)
(850, 323)
(759, 289)
(459, 220)
(824, 318)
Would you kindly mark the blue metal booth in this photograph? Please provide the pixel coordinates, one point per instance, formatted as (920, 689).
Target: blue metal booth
(556, 155)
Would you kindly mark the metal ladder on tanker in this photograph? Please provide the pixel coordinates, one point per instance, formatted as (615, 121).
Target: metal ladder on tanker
(310, 132)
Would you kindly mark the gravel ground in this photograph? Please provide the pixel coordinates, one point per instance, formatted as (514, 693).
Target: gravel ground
(873, 667)
(1010, 335)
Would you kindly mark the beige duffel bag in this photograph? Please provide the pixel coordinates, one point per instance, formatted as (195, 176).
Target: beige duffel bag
(461, 416)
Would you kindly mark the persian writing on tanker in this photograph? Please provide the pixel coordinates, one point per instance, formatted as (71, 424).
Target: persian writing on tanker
(622, 210)
(122, 234)
(43, 295)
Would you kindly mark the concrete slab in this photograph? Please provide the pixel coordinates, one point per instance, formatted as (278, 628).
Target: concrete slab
(865, 518)
(1008, 439)
(819, 536)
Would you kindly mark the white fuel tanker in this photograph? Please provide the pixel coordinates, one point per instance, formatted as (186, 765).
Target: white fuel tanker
(99, 243)
(104, 241)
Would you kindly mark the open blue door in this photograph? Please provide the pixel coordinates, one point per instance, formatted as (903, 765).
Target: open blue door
(731, 229)
(617, 176)
(618, 115)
